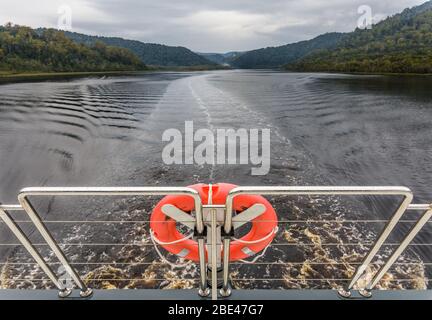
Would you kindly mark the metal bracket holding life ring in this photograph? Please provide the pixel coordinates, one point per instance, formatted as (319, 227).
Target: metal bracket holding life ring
(250, 208)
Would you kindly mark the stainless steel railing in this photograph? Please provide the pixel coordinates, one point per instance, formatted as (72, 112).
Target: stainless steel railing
(27, 206)
(41, 226)
(319, 191)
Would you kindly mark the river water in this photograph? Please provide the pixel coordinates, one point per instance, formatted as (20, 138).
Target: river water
(325, 130)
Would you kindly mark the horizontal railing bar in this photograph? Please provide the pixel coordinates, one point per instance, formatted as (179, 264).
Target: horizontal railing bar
(332, 263)
(232, 263)
(18, 207)
(413, 207)
(325, 279)
(180, 244)
(114, 279)
(419, 207)
(182, 279)
(347, 244)
(11, 207)
(261, 221)
(105, 191)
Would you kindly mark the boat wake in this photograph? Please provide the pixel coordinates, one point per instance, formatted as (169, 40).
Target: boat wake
(321, 240)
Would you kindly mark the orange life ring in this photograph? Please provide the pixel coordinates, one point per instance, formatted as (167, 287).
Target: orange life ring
(258, 238)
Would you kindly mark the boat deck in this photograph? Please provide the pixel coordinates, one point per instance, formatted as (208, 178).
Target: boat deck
(254, 295)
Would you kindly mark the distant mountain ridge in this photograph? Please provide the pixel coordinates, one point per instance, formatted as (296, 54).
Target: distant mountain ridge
(275, 57)
(399, 44)
(410, 12)
(221, 58)
(149, 53)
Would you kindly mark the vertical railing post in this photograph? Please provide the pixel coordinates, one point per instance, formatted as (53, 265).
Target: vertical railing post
(204, 290)
(225, 291)
(100, 191)
(426, 216)
(380, 241)
(324, 190)
(37, 221)
(17, 231)
(214, 254)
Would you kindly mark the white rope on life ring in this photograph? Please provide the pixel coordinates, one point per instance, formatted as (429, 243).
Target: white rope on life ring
(256, 257)
(161, 256)
(172, 242)
(274, 231)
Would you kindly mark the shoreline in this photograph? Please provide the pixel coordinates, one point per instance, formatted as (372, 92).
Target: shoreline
(10, 77)
(6, 77)
(37, 76)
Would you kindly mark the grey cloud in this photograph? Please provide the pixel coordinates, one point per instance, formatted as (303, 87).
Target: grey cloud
(209, 26)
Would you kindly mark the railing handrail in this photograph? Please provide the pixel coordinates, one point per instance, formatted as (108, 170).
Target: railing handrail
(77, 191)
(25, 205)
(333, 191)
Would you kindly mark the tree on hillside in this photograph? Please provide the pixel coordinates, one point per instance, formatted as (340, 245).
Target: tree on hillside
(399, 44)
(22, 49)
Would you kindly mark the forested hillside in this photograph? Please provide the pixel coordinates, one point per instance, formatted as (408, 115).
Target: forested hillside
(399, 44)
(149, 53)
(22, 49)
(274, 57)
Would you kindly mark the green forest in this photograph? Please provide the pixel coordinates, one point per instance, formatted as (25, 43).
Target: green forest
(276, 57)
(24, 50)
(399, 44)
(151, 54)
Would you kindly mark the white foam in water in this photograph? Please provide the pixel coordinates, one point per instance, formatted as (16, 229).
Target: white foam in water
(108, 132)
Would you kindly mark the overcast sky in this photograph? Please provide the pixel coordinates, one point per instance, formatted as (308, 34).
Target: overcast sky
(202, 25)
